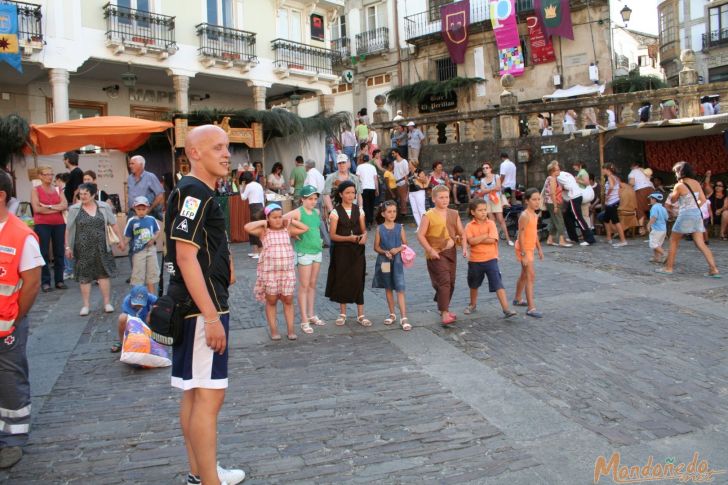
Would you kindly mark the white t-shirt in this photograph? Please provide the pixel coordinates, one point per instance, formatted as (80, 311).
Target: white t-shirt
(612, 123)
(508, 170)
(367, 176)
(314, 177)
(568, 183)
(373, 136)
(568, 119)
(31, 257)
(401, 171)
(641, 180)
(708, 109)
(253, 193)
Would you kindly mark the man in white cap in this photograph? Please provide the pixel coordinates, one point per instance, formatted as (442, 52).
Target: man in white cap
(414, 142)
(334, 179)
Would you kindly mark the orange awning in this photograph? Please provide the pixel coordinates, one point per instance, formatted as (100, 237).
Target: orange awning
(118, 132)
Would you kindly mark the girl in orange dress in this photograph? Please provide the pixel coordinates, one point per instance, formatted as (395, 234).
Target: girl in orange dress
(526, 243)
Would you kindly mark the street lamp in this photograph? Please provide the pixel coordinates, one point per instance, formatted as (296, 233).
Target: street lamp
(626, 13)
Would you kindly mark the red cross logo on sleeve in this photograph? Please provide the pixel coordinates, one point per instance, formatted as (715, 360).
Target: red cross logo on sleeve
(3, 271)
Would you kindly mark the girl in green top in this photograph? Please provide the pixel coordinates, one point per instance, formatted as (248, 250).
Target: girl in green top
(307, 248)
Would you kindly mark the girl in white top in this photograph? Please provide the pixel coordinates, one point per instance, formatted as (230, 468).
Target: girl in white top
(569, 122)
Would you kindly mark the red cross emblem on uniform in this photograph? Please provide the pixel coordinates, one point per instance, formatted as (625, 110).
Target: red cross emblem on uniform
(9, 340)
(3, 272)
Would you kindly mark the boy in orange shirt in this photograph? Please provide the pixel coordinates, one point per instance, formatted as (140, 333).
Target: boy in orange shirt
(482, 237)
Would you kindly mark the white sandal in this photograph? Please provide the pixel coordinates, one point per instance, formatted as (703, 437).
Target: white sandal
(404, 322)
(341, 320)
(316, 321)
(363, 321)
(306, 328)
(391, 319)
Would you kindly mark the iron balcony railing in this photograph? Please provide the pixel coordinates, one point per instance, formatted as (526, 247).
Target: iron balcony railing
(225, 43)
(129, 25)
(294, 55)
(715, 38)
(30, 28)
(341, 48)
(428, 22)
(372, 41)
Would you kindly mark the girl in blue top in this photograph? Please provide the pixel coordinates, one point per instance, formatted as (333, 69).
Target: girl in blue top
(389, 240)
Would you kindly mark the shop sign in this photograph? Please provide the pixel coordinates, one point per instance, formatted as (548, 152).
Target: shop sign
(438, 102)
(152, 96)
(252, 137)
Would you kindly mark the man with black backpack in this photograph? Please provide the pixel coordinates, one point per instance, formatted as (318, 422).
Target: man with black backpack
(201, 271)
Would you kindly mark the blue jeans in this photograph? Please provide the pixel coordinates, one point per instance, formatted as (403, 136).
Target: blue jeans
(351, 152)
(55, 234)
(330, 159)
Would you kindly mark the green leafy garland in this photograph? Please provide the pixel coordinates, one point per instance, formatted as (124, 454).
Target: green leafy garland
(414, 94)
(635, 82)
(14, 132)
(276, 122)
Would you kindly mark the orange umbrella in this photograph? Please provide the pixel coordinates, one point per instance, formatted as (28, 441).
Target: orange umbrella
(118, 132)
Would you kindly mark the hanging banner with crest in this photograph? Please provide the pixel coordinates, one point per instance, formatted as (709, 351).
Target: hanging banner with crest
(555, 17)
(455, 18)
(9, 48)
(505, 28)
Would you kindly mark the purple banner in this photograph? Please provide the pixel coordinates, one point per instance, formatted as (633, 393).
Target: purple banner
(455, 18)
(555, 17)
(505, 29)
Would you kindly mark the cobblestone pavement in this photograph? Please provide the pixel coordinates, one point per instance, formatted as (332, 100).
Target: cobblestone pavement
(624, 360)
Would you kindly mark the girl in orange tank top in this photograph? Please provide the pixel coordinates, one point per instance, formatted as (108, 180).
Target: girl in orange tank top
(526, 243)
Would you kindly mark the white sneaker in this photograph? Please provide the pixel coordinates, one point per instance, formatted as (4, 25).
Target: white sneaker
(230, 477)
(619, 244)
(511, 243)
(109, 308)
(256, 256)
(584, 243)
(250, 255)
(84, 311)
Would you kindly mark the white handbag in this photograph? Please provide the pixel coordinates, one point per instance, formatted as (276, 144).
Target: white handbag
(587, 194)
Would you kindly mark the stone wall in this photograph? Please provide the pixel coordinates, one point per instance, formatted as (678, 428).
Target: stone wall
(470, 155)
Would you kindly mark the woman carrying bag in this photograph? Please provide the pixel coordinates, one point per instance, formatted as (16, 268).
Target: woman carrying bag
(90, 232)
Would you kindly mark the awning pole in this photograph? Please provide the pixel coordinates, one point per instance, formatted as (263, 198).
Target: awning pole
(601, 167)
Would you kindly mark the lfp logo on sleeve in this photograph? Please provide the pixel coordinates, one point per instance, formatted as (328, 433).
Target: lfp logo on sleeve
(190, 207)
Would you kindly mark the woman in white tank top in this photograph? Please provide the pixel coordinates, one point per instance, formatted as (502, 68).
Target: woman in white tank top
(688, 195)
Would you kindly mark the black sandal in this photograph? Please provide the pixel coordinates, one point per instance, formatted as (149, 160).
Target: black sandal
(46, 288)
(61, 286)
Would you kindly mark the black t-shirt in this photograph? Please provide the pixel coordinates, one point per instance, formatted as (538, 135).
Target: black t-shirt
(194, 217)
(75, 178)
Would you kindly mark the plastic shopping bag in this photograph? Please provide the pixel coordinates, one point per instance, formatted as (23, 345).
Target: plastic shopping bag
(139, 348)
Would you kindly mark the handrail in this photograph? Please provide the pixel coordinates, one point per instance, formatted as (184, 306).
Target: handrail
(225, 43)
(153, 30)
(30, 26)
(295, 55)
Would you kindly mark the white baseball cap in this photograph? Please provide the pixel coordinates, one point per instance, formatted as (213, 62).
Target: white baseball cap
(411, 123)
(341, 158)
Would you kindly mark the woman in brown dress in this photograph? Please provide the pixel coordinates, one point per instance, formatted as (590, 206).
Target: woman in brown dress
(345, 281)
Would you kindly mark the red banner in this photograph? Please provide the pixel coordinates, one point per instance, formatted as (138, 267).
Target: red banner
(542, 50)
(455, 18)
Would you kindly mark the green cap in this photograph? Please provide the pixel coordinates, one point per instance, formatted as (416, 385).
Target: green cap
(308, 191)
